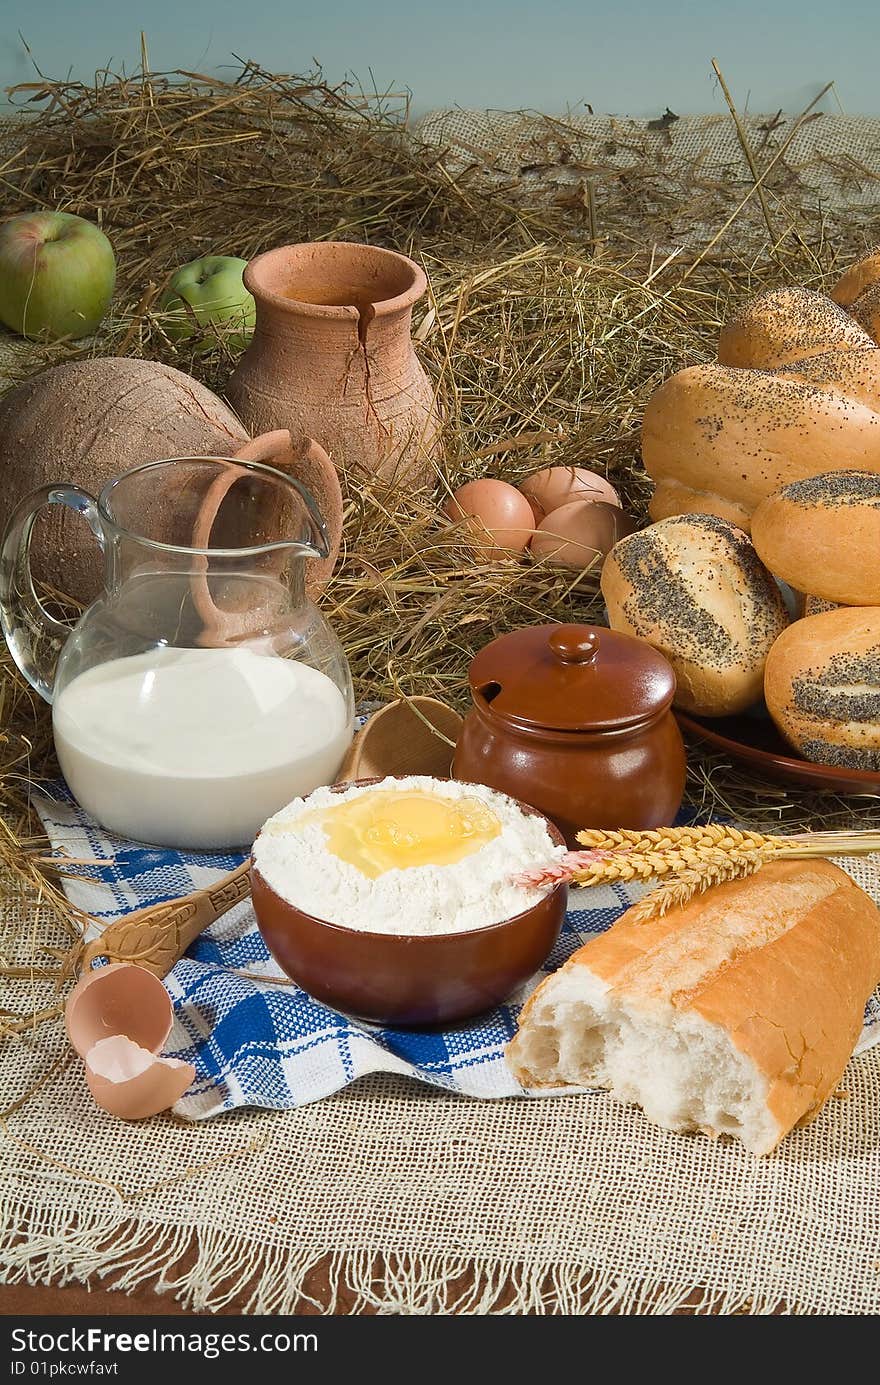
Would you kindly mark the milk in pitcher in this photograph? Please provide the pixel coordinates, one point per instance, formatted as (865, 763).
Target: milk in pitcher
(198, 747)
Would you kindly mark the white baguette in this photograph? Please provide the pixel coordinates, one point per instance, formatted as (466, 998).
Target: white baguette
(733, 1015)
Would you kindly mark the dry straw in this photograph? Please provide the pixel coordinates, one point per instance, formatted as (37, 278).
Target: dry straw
(555, 311)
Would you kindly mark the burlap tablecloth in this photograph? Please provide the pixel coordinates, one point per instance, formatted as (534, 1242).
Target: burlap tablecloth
(417, 1202)
(819, 158)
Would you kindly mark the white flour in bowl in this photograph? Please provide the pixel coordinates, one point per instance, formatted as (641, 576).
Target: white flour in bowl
(292, 855)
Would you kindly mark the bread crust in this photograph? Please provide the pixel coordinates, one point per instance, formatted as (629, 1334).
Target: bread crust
(824, 534)
(673, 498)
(716, 439)
(782, 961)
(693, 588)
(857, 278)
(866, 311)
(855, 374)
(783, 325)
(815, 605)
(822, 686)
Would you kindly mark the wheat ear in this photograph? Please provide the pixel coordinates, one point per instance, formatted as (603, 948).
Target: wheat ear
(585, 868)
(682, 888)
(649, 865)
(721, 837)
(697, 858)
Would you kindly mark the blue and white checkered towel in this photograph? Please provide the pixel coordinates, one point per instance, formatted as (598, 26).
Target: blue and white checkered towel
(255, 1043)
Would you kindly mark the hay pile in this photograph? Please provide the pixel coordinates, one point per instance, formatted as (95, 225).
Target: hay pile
(554, 314)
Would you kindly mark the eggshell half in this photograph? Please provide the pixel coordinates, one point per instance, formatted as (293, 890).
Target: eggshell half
(579, 534)
(131, 1083)
(501, 519)
(556, 486)
(118, 999)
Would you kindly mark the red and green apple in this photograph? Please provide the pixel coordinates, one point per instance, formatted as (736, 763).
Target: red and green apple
(57, 274)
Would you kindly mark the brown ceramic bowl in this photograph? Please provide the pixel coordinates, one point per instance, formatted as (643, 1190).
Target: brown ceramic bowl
(409, 979)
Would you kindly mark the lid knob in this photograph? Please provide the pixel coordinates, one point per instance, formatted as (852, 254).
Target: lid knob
(575, 644)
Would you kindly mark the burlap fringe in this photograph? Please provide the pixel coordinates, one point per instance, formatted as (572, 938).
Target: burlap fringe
(207, 1270)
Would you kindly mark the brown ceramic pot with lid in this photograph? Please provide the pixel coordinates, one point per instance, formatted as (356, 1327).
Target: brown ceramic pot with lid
(576, 720)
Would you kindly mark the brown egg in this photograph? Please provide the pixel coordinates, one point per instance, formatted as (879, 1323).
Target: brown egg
(579, 534)
(132, 1083)
(556, 486)
(501, 519)
(118, 999)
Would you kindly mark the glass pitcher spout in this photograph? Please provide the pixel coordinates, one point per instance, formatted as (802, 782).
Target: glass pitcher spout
(245, 509)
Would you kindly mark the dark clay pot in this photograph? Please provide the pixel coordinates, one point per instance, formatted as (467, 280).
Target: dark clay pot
(576, 720)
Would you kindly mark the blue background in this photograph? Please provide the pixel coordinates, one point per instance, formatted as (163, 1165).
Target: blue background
(625, 56)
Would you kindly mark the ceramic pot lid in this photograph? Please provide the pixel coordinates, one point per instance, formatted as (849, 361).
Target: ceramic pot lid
(571, 678)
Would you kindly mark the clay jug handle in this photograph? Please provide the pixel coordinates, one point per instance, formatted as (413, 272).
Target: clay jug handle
(307, 462)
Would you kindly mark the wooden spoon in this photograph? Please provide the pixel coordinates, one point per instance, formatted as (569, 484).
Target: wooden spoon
(410, 736)
(158, 936)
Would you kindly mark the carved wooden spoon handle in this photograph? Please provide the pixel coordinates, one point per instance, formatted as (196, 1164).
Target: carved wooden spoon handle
(158, 936)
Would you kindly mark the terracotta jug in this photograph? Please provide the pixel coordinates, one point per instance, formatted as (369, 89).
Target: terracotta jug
(332, 358)
(576, 720)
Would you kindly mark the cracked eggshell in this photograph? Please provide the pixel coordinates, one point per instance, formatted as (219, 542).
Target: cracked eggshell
(556, 486)
(501, 519)
(118, 999)
(577, 534)
(132, 1083)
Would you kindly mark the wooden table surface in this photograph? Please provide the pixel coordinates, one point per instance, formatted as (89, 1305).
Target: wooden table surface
(76, 1300)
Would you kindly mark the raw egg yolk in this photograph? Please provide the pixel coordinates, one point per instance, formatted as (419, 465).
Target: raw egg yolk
(395, 829)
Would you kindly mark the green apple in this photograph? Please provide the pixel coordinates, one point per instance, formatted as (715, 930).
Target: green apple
(206, 294)
(57, 274)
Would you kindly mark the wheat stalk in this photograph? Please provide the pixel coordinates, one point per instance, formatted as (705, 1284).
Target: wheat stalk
(688, 860)
(611, 867)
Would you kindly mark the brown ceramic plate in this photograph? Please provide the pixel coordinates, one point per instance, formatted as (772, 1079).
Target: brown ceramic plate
(752, 738)
(409, 979)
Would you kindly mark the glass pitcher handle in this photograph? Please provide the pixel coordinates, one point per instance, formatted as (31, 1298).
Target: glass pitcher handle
(34, 637)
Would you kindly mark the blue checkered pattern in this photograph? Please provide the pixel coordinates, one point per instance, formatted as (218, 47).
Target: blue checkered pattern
(255, 1042)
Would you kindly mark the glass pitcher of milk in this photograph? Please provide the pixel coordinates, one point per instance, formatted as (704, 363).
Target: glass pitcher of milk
(203, 690)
